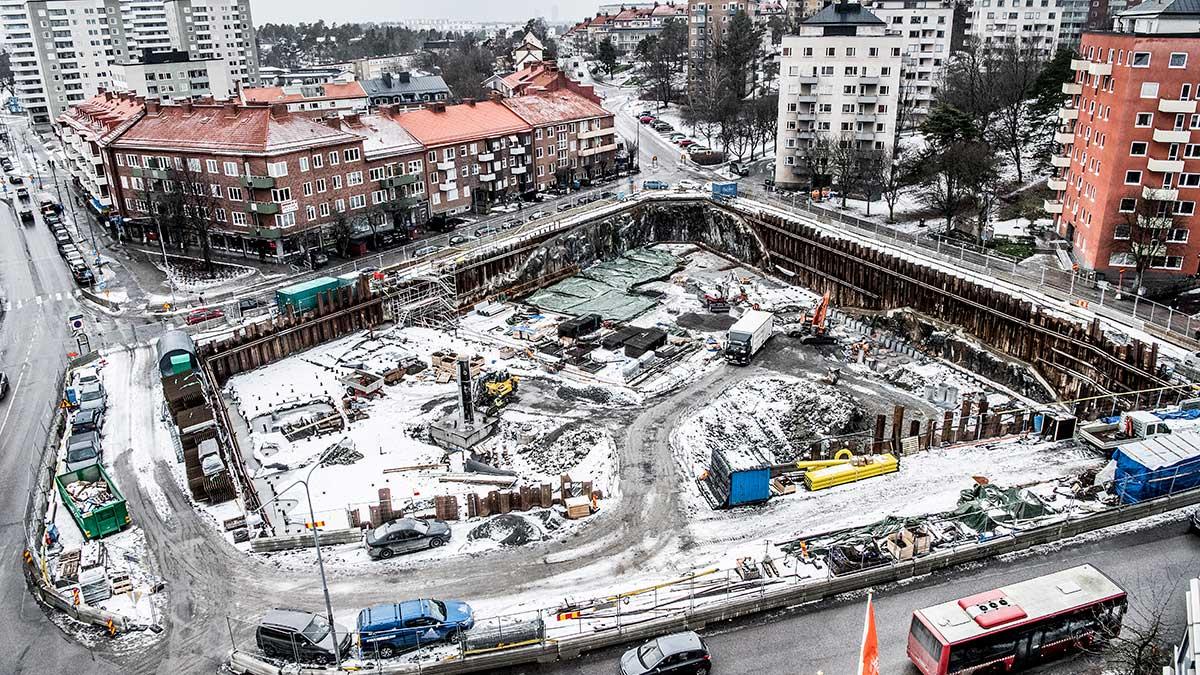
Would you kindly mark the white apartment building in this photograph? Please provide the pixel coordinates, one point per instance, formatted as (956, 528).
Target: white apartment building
(930, 34)
(216, 29)
(18, 40)
(146, 27)
(171, 76)
(839, 79)
(1032, 23)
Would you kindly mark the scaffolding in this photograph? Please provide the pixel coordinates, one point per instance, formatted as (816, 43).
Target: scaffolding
(429, 300)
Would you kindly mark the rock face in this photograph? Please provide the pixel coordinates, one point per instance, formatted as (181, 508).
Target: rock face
(608, 238)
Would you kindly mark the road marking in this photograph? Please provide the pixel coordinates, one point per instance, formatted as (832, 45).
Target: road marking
(58, 297)
(12, 397)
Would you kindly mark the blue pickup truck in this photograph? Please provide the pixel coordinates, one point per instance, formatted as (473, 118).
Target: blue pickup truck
(386, 630)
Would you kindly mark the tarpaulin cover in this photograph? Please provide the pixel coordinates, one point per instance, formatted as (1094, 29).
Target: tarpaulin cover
(1157, 466)
(984, 507)
(603, 288)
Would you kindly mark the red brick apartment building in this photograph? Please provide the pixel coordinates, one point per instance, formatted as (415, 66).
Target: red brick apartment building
(1131, 146)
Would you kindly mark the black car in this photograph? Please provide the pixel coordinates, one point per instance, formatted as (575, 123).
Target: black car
(678, 653)
(247, 304)
(405, 535)
(3, 386)
(299, 636)
(16, 180)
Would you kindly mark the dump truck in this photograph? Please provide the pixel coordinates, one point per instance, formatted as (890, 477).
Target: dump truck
(94, 501)
(748, 335)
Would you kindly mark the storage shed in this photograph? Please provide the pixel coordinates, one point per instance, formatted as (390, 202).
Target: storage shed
(176, 353)
(580, 325)
(739, 475)
(645, 341)
(1157, 466)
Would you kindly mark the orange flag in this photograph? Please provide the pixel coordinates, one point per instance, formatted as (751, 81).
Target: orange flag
(869, 663)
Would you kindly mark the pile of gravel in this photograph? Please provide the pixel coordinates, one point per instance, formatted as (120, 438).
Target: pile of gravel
(508, 529)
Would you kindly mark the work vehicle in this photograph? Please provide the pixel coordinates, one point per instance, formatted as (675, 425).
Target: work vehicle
(85, 421)
(654, 185)
(405, 535)
(1136, 425)
(83, 449)
(203, 314)
(495, 389)
(3, 386)
(1019, 625)
(814, 329)
(426, 250)
(93, 500)
(674, 654)
(302, 297)
(299, 636)
(748, 335)
(93, 397)
(388, 629)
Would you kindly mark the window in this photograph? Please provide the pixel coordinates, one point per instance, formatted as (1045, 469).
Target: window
(1178, 60)
(379, 196)
(337, 181)
(1149, 90)
(340, 205)
(1140, 60)
(354, 178)
(239, 217)
(1128, 204)
(211, 165)
(1189, 180)
(1185, 208)
(379, 173)
(830, 51)
(358, 201)
(285, 219)
(1133, 177)
(235, 194)
(303, 164)
(324, 208)
(1143, 119)
(351, 155)
(221, 215)
(277, 169)
(193, 164)
(318, 161)
(1192, 151)
(334, 158)
(1137, 149)
(310, 212)
(281, 194)
(321, 185)
(307, 188)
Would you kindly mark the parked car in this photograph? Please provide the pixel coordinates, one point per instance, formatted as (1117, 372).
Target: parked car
(92, 397)
(3, 386)
(677, 653)
(565, 206)
(687, 185)
(405, 535)
(660, 125)
(16, 179)
(645, 113)
(295, 634)
(686, 142)
(510, 224)
(647, 119)
(696, 147)
(83, 449)
(485, 231)
(51, 219)
(654, 185)
(86, 420)
(318, 259)
(675, 137)
(739, 169)
(388, 629)
(458, 240)
(1194, 528)
(85, 376)
(426, 250)
(247, 305)
(6, 164)
(203, 314)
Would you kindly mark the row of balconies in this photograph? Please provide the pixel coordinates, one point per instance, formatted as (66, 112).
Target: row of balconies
(1091, 67)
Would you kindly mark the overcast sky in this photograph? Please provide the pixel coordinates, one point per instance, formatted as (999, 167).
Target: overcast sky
(295, 11)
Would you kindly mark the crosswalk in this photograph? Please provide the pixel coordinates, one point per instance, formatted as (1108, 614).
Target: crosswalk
(39, 300)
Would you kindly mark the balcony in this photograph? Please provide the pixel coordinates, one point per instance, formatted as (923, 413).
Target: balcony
(806, 116)
(868, 79)
(1079, 64)
(864, 135)
(1165, 165)
(1160, 194)
(1172, 135)
(867, 98)
(1068, 114)
(446, 187)
(399, 181)
(487, 157)
(519, 170)
(1168, 105)
(1064, 137)
(588, 152)
(1155, 222)
(487, 177)
(865, 118)
(1100, 69)
(1072, 88)
(259, 182)
(1057, 184)
(517, 150)
(1052, 206)
(407, 202)
(596, 133)
(1060, 161)
(264, 208)
(806, 98)
(446, 166)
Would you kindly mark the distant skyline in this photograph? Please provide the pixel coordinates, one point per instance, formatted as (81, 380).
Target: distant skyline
(345, 11)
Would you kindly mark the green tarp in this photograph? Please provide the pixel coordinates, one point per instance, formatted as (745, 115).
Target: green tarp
(604, 287)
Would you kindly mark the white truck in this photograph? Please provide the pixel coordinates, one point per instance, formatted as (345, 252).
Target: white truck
(1137, 425)
(748, 335)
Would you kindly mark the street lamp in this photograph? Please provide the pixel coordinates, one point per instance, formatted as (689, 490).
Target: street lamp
(312, 519)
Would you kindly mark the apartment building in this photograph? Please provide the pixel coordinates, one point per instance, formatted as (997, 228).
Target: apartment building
(316, 100)
(172, 76)
(83, 131)
(574, 139)
(708, 21)
(932, 30)
(1034, 24)
(18, 38)
(146, 28)
(1128, 175)
(216, 29)
(405, 89)
(632, 25)
(839, 79)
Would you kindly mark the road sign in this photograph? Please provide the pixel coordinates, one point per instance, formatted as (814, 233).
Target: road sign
(290, 206)
(76, 322)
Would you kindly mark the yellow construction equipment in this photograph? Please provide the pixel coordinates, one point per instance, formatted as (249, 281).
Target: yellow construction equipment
(496, 389)
(850, 471)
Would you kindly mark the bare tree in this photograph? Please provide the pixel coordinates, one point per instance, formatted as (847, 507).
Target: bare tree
(896, 178)
(1142, 237)
(1145, 643)
(706, 101)
(765, 111)
(873, 166)
(944, 186)
(1017, 67)
(847, 168)
(817, 160)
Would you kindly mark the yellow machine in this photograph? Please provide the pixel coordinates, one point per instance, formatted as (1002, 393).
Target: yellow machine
(496, 389)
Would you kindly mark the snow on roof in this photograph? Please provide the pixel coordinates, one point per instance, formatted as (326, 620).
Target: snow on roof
(1157, 452)
(382, 135)
(309, 92)
(554, 107)
(457, 123)
(228, 129)
(103, 117)
(417, 84)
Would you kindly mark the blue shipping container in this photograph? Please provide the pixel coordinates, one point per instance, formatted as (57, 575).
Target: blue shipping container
(749, 487)
(727, 189)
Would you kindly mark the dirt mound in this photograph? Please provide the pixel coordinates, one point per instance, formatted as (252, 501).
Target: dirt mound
(704, 322)
(508, 529)
(563, 448)
(904, 377)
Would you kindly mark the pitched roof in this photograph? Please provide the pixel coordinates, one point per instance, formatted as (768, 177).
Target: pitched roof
(103, 117)
(228, 129)
(845, 14)
(553, 107)
(1164, 8)
(319, 92)
(382, 135)
(417, 84)
(459, 123)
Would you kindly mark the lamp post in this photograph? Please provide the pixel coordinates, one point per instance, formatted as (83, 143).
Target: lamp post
(312, 519)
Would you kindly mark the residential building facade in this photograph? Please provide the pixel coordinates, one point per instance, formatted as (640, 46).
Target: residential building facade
(406, 89)
(708, 21)
(216, 29)
(1128, 176)
(932, 30)
(574, 139)
(316, 100)
(172, 76)
(1032, 24)
(839, 80)
(83, 131)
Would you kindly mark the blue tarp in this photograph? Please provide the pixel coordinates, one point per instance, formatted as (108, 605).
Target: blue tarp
(1157, 466)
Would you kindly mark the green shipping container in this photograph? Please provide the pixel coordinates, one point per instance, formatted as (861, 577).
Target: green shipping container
(100, 521)
(181, 363)
(303, 296)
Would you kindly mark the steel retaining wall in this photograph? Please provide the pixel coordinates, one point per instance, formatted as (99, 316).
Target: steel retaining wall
(768, 599)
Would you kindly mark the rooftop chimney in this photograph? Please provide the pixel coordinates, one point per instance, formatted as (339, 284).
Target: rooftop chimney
(279, 110)
(469, 101)
(185, 107)
(404, 77)
(438, 107)
(230, 109)
(387, 79)
(152, 106)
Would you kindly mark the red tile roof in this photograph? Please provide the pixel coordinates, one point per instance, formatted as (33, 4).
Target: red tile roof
(328, 91)
(460, 123)
(229, 129)
(554, 107)
(103, 117)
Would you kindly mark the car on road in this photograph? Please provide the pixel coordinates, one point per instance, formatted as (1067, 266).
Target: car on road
(687, 185)
(683, 143)
(565, 206)
(92, 397)
(390, 628)
(23, 193)
(6, 164)
(458, 240)
(203, 314)
(647, 119)
(506, 208)
(83, 449)
(739, 169)
(16, 179)
(25, 213)
(294, 634)
(674, 654)
(3, 386)
(485, 231)
(654, 185)
(537, 214)
(510, 224)
(426, 250)
(405, 535)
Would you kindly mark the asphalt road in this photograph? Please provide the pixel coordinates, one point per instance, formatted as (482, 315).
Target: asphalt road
(1153, 565)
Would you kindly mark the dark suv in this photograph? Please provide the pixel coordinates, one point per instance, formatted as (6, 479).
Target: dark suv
(679, 653)
(297, 635)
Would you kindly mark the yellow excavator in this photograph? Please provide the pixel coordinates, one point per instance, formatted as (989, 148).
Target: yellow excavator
(495, 389)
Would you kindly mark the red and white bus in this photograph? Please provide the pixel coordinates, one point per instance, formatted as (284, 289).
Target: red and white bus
(1016, 626)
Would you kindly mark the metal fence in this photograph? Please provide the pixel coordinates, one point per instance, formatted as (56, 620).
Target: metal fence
(1079, 288)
